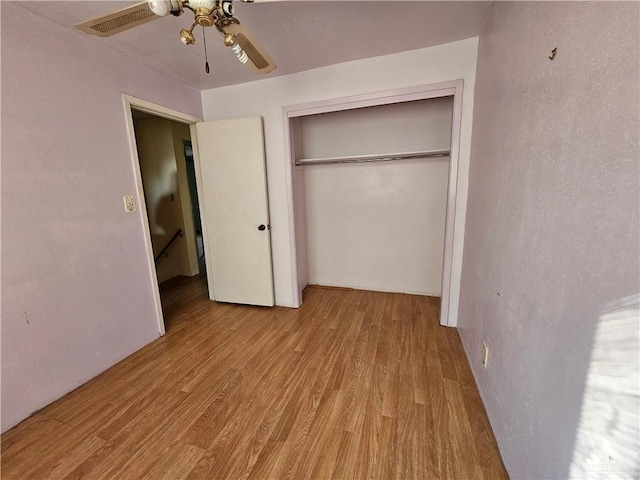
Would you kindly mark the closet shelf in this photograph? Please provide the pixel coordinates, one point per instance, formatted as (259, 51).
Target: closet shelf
(373, 158)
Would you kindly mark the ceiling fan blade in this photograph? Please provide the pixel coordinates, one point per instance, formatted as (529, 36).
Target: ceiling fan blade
(118, 21)
(259, 59)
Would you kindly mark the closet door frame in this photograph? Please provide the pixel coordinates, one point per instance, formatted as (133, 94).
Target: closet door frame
(421, 92)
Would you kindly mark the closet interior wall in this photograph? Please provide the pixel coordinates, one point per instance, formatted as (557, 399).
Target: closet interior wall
(377, 225)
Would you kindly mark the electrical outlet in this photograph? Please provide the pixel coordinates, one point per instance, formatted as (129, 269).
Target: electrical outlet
(485, 354)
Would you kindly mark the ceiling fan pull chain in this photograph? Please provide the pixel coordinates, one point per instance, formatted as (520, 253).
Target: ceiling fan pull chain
(206, 58)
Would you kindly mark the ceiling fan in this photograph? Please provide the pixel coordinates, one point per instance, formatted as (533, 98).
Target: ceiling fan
(207, 13)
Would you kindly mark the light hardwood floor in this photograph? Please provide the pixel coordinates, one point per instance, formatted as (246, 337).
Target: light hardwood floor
(352, 385)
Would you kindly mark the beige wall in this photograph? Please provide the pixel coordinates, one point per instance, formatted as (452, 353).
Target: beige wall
(181, 134)
(159, 141)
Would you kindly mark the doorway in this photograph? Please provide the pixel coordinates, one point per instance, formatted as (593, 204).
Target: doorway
(168, 181)
(167, 239)
(230, 173)
(163, 168)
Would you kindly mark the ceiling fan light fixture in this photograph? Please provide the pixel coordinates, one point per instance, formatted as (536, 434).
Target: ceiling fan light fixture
(207, 13)
(230, 41)
(227, 8)
(240, 53)
(187, 37)
(160, 7)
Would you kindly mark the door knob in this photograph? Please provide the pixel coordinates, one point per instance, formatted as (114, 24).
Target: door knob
(262, 227)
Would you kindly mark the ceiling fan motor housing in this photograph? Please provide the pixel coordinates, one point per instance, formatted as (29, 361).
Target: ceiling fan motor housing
(203, 5)
(204, 17)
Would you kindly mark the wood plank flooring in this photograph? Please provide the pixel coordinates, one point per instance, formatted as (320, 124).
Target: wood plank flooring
(352, 385)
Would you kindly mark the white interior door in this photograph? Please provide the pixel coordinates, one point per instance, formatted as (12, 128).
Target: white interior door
(234, 208)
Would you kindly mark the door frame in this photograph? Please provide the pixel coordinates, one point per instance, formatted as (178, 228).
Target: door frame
(452, 88)
(130, 102)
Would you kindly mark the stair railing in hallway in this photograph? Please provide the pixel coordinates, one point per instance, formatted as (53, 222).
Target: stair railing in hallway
(165, 250)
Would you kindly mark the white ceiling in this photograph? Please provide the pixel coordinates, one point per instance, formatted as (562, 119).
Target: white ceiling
(299, 35)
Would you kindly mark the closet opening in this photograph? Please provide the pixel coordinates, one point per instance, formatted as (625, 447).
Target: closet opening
(373, 191)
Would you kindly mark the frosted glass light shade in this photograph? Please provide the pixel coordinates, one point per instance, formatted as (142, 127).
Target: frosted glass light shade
(160, 7)
(208, 4)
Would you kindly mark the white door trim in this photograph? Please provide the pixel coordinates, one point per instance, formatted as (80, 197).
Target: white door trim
(421, 92)
(160, 111)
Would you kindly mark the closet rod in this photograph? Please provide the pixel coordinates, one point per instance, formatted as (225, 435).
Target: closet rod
(373, 158)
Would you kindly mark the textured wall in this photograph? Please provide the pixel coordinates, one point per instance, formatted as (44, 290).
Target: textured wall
(76, 294)
(551, 236)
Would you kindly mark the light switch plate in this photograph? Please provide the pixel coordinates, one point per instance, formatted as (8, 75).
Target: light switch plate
(129, 203)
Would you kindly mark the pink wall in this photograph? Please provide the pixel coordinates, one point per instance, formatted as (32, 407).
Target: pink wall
(552, 222)
(75, 288)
